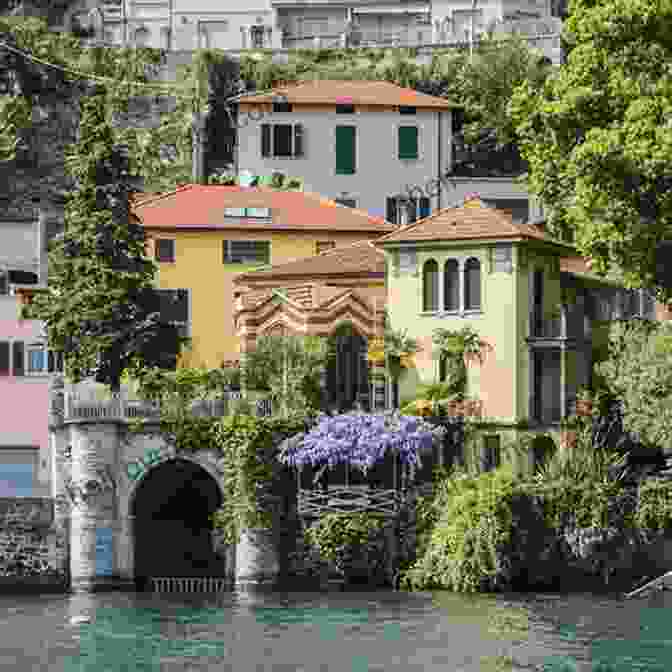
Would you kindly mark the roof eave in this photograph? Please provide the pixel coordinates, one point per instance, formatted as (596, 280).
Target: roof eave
(262, 227)
(309, 276)
(491, 240)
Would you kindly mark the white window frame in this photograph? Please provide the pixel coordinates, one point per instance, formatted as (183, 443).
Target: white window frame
(37, 346)
(293, 125)
(246, 263)
(28, 455)
(463, 311)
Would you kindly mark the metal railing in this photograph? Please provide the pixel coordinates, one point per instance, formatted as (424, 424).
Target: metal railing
(348, 499)
(549, 43)
(546, 328)
(78, 406)
(197, 584)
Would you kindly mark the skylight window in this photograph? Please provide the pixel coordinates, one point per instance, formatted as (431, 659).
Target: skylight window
(234, 212)
(257, 212)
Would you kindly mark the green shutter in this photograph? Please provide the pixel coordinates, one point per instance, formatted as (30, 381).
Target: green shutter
(408, 142)
(345, 150)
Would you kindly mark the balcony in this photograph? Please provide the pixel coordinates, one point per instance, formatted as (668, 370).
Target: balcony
(359, 38)
(348, 499)
(68, 406)
(546, 328)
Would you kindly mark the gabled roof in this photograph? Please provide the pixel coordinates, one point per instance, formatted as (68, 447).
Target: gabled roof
(360, 258)
(203, 207)
(472, 221)
(357, 92)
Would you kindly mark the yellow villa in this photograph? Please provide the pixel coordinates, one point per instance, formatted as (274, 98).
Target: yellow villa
(203, 236)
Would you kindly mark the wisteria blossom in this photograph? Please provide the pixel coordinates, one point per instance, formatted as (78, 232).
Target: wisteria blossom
(361, 439)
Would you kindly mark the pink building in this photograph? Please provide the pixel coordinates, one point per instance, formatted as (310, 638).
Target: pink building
(25, 365)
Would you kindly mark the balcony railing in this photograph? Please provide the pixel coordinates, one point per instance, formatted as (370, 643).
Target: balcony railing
(348, 499)
(546, 328)
(85, 406)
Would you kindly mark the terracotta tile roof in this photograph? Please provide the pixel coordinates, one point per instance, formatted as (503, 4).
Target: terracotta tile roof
(580, 267)
(357, 92)
(361, 257)
(140, 197)
(466, 223)
(577, 265)
(195, 206)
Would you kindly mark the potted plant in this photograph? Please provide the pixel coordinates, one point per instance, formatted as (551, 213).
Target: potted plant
(568, 433)
(584, 402)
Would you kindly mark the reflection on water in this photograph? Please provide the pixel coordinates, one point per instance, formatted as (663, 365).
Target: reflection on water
(339, 632)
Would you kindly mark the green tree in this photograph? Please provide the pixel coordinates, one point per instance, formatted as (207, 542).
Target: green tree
(483, 85)
(598, 139)
(638, 371)
(100, 307)
(290, 367)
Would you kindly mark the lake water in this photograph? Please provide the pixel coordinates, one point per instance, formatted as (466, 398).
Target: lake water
(335, 632)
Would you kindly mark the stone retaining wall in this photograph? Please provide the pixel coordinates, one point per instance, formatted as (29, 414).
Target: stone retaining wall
(32, 553)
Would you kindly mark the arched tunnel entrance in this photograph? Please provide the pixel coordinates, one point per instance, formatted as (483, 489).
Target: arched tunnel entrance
(172, 530)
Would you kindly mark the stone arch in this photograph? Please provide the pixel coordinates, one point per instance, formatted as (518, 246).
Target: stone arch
(169, 509)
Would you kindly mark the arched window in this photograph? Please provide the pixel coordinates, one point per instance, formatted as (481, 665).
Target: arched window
(451, 285)
(430, 286)
(472, 284)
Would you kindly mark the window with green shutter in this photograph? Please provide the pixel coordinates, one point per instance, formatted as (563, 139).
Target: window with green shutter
(408, 142)
(345, 150)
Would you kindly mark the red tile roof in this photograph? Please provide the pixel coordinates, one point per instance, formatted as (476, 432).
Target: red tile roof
(467, 223)
(202, 207)
(358, 92)
(360, 258)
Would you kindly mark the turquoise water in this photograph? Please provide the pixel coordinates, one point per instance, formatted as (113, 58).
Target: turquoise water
(335, 632)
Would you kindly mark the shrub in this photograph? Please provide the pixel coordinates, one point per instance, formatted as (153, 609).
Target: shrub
(639, 371)
(471, 546)
(353, 542)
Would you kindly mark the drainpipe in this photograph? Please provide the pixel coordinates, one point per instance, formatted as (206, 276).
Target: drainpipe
(171, 26)
(124, 19)
(438, 170)
(471, 32)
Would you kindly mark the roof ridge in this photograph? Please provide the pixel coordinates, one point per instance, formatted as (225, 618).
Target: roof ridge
(412, 225)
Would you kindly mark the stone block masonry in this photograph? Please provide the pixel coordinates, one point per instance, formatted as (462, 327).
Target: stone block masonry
(33, 553)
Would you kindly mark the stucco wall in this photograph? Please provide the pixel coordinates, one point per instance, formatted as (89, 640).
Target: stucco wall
(377, 164)
(24, 399)
(198, 266)
(493, 380)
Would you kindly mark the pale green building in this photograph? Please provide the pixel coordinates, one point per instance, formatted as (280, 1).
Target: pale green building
(531, 299)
